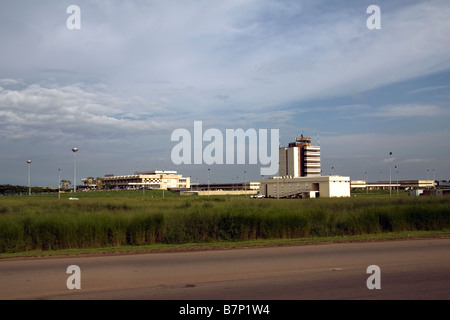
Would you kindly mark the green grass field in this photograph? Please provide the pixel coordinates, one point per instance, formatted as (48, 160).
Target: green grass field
(133, 219)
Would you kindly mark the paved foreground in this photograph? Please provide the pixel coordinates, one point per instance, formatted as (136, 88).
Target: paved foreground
(403, 269)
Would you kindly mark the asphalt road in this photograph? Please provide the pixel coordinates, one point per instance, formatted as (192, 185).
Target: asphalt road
(408, 269)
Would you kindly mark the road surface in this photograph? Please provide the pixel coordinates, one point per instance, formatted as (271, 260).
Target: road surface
(408, 269)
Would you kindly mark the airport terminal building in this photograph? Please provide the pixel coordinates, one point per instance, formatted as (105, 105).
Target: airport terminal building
(147, 180)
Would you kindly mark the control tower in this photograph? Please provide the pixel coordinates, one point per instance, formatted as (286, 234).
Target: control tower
(299, 159)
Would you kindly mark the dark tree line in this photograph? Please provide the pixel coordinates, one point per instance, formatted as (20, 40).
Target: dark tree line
(8, 189)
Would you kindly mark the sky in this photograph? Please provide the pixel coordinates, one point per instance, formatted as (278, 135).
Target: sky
(118, 84)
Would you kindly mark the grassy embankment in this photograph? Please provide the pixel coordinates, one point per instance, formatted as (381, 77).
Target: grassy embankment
(124, 220)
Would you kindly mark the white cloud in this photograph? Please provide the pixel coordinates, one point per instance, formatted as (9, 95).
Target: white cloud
(421, 90)
(410, 110)
(10, 82)
(63, 111)
(264, 52)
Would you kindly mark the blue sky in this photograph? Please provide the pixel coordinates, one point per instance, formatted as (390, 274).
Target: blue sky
(137, 70)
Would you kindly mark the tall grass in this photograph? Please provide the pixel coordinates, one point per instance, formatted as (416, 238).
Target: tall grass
(50, 224)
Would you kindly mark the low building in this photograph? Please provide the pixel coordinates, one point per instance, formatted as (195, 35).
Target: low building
(394, 184)
(239, 186)
(305, 187)
(147, 180)
(442, 183)
(436, 192)
(217, 189)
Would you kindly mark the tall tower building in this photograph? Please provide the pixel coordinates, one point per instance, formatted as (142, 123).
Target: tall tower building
(299, 159)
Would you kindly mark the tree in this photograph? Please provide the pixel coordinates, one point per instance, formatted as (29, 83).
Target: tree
(99, 183)
(65, 184)
(90, 181)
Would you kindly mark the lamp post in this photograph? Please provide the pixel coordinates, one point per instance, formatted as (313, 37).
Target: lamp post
(245, 181)
(209, 169)
(396, 168)
(367, 186)
(74, 169)
(390, 174)
(29, 187)
(434, 178)
(59, 183)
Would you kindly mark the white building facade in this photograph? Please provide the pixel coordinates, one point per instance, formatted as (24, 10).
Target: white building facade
(305, 187)
(148, 180)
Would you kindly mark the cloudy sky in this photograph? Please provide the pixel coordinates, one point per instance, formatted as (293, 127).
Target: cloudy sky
(137, 70)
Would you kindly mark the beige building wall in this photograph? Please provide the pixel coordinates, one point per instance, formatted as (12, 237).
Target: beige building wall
(323, 186)
(152, 179)
(299, 161)
(289, 161)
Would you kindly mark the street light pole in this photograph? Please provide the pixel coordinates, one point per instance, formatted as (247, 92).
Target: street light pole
(245, 181)
(29, 187)
(390, 173)
(396, 167)
(59, 183)
(74, 169)
(367, 186)
(208, 180)
(434, 178)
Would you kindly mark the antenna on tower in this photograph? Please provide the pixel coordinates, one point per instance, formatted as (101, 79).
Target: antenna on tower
(318, 141)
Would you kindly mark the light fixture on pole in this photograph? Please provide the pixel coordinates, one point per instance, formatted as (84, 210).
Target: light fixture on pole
(390, 173)
(74, 169)
(396, 168)
(208, 180)
(245, 180)
(29, 187)
(367, 186)
(59, 183)
(434, 178)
